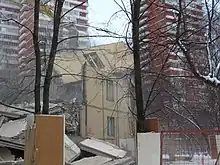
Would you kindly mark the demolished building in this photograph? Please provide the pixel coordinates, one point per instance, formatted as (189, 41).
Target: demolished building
(13, 124)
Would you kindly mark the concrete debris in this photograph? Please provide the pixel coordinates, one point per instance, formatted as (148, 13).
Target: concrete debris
(30, 121)
(72, 151)
(70, 112)
(99, 147)
(2, 118)
(19, 162)
(96, 160)
(101, 160)
(13, 113)
(123, 161)
(5, 155)
(12, 128)
(12, 137)
(13, 143)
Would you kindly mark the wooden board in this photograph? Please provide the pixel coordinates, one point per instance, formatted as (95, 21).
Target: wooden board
(50, 146)
(29, 146)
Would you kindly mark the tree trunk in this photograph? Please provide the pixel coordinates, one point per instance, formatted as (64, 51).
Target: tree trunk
(49, 70)
(137, 67)
(38, 57)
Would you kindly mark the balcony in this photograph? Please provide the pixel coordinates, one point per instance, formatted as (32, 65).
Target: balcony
(143, 20)
(23, 21)
(24, 7)
(170, 17)
(23, 14)
(22, 30)
(13, 61)
(22, 44)
(143, 8)
(80, 25)
(10, 5)
(143, 27)
(81, 10)
(81, 17)
(22, 51)
(22, 36)
(143, 35)
(78, 2)
(21, 59)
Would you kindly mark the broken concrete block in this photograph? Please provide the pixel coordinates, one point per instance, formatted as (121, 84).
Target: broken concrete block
(20, 162)
(102, 148)
(72, 151)
(5, 154)
(96, 160)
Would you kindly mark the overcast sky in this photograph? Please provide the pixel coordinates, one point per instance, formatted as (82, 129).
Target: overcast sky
(100, 12)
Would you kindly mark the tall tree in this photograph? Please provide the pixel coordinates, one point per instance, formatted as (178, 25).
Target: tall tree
(135, 17)
(54, 10)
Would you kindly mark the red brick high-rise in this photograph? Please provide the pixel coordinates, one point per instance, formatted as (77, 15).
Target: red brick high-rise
(158, 27)
(160, 54)
(76, 24)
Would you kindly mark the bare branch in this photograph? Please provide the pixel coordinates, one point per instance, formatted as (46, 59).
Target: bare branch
(73, 8)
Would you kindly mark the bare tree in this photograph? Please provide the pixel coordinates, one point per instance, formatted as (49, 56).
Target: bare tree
(208, 70)
(54, 9)
(145, 70)
(143, 102)
(187, 42)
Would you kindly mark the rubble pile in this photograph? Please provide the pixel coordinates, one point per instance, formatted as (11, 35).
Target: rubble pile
(88, 151)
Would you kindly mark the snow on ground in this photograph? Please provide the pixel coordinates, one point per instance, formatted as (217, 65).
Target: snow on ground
(166, 156)
(196, 160)
(209, 162)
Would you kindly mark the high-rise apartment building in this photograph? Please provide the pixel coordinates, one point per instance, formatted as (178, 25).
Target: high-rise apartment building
(75, 23)
(16, 42)
(161, 55)
(158, 27)
(80, 18)
(8, 34)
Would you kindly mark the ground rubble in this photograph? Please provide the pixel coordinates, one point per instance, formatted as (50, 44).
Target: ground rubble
(89, 151)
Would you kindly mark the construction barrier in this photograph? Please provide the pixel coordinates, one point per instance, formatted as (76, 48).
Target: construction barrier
(190, 147)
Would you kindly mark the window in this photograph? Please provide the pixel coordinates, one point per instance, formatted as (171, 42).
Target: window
(3, 29)
(81, 22)
(82, 7)
(111, 126)
(78, 7)
(82, 28)
(109, 90)
(82, 14)
(94, 60)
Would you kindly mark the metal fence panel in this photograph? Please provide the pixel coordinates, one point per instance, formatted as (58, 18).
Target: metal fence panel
(190, 147)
